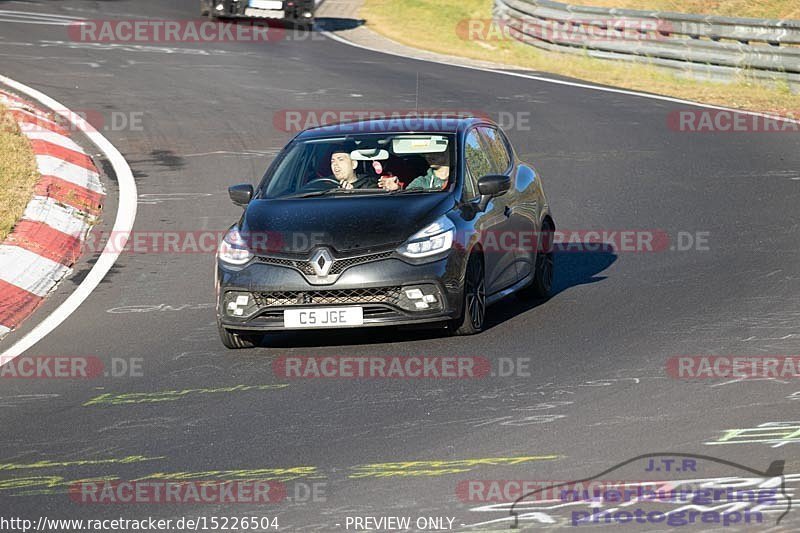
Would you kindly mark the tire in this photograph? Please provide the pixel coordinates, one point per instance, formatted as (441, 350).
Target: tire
(473, 317)
(238, 341)
(542, 285)
(210, 12)
(305, 25)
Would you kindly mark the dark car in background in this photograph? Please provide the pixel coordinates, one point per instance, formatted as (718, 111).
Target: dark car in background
(294, 11)
(381, 222)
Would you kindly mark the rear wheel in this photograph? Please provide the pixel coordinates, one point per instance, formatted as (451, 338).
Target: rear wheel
(235, 340)
(474, 315)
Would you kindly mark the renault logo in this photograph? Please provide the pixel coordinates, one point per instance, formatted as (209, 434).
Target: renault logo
(321, 262)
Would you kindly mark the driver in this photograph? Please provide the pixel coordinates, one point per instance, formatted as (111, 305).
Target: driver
(344, 171)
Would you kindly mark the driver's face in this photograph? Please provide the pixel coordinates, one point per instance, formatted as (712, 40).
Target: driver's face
(342, 167)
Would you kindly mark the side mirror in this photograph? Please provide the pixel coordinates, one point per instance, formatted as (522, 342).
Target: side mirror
(491, 186)
(241, 194)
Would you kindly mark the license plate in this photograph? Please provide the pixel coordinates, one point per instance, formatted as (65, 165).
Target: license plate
(266, 4)
(324, 317)
(263, 13)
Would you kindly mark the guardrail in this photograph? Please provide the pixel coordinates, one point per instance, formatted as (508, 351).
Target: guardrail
(717, 47)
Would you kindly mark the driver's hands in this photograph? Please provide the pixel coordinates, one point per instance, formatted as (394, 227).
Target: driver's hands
(345, 185)
(389, 183)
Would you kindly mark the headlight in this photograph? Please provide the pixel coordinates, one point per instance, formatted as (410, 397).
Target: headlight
(233, 249)
(434, 239)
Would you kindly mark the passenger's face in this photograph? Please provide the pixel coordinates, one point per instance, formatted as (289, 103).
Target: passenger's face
(442, 171)
(342, 166)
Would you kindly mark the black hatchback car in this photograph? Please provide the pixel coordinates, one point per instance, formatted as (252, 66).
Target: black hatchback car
(384, 222)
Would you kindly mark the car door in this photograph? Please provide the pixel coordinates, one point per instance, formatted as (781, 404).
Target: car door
(494, 223)
(522, 205)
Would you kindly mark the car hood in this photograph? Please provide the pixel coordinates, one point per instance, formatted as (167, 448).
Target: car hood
(346, 224)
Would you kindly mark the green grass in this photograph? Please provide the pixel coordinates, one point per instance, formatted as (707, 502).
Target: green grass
(438, 25)
(18, 173)
(770, 9)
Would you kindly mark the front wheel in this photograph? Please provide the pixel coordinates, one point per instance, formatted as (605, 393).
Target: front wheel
(237, 340)
(542, 284)
(474, 314)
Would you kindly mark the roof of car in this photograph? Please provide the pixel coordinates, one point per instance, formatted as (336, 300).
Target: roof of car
(398, 123)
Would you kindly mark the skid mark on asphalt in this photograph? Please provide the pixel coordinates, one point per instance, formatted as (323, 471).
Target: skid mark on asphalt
(158, 198)
(246, 153)
(63, 464)
(159, 308)
(16, 401)
(139, 423)
(511, 405)
(140, 48)
(39, 18)
(439, 468)
(173, 395)
(52, 485)
(775, 433)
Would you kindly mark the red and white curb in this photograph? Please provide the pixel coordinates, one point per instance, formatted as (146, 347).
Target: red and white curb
(47, 240)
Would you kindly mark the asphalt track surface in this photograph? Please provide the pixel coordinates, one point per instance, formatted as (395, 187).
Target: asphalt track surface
(597, 394)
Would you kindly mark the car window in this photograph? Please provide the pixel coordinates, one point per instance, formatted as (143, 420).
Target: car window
(477, 164)
(367, 164)
(496, 150)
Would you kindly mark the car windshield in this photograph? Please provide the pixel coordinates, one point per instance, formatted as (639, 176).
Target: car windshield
(402, 163)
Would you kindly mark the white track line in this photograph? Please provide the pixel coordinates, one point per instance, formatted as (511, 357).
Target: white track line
(564, 82)
(123, 224)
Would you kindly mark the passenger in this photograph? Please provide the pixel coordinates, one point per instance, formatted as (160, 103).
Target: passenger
(437, 177)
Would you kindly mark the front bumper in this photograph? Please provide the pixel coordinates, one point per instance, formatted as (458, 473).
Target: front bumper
(380, 288)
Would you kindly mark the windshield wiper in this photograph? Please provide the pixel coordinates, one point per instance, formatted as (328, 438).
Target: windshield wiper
(315, 193)
(333, 191)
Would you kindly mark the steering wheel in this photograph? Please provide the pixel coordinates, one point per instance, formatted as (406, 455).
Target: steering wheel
(321, 184)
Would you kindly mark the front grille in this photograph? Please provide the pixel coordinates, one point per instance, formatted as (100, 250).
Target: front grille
(380, 295)
(303, 265)
(339, 264)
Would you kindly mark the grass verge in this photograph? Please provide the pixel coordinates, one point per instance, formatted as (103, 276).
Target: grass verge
(772, 9)
(18, 172)
(434, 25)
